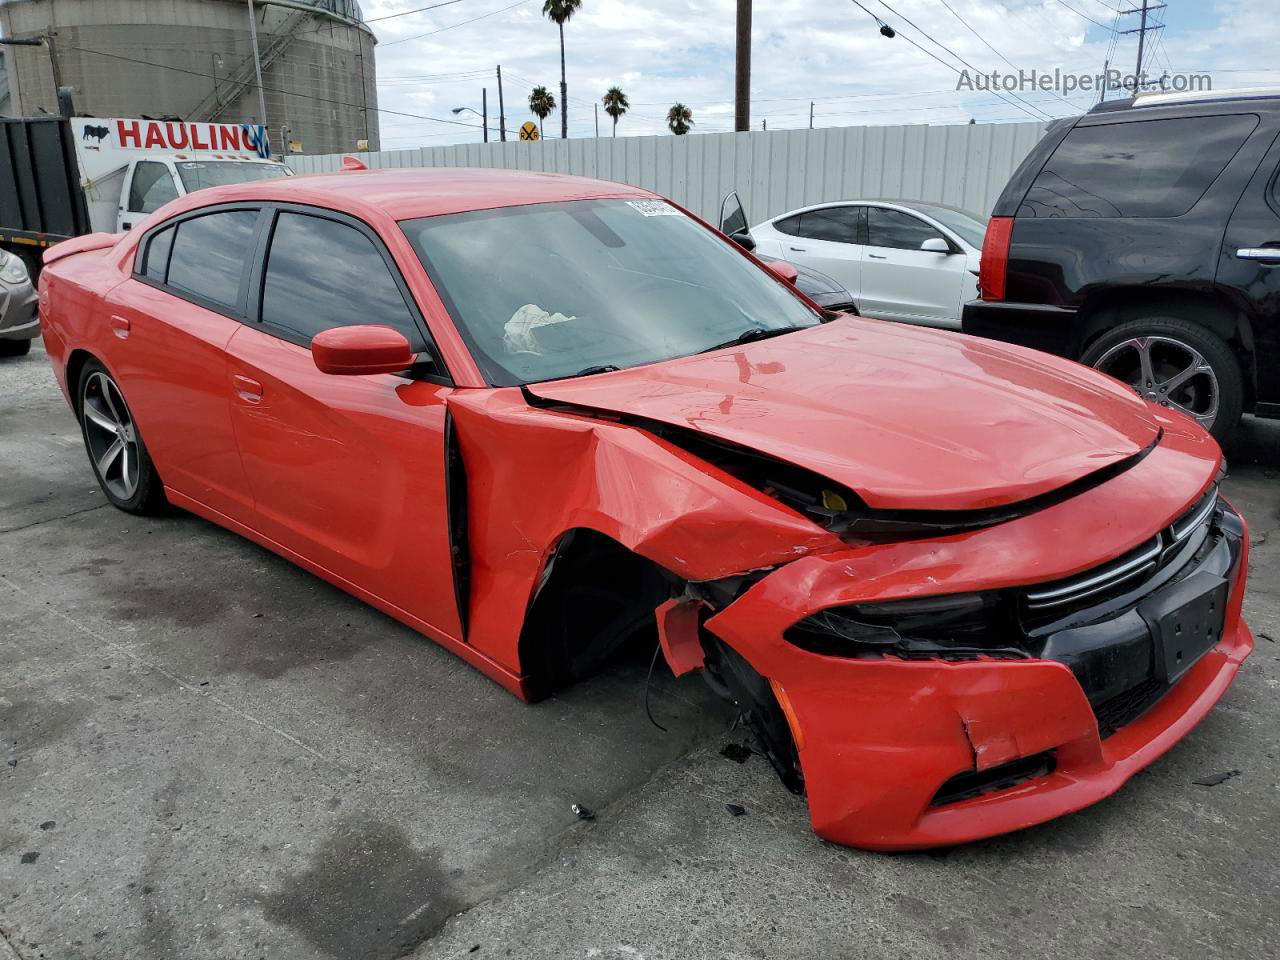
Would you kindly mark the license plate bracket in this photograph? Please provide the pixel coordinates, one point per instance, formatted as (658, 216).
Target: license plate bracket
(1186, 621)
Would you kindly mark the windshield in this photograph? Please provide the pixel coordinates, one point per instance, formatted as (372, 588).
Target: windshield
(198, 174)
(555, 290)
(965, 225)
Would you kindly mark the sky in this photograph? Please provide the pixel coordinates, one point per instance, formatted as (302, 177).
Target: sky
(826, 51)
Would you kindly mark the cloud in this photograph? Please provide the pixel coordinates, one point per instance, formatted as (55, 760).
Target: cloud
(829, 51)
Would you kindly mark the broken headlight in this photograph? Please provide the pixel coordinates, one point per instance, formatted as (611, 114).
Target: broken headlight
(960, 626)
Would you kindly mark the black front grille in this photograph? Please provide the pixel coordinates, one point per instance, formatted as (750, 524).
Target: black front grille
(975, 783)
(1050, 603)
(1124, 708)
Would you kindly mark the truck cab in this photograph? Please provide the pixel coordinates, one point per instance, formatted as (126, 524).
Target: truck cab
(150, 183)
(68, 175)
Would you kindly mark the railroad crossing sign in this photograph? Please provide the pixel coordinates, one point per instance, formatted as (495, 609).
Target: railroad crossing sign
(529, 131)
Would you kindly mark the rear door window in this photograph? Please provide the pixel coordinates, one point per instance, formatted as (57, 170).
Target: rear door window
(788, 225)
(1145, 168)
(893, 228)
(209, 257)
(323, 274)
(837, 224)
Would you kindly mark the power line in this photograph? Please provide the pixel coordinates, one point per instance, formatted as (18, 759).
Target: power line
(1084, 15)
(288, 93)
(978, 35)
(453, 26)
(1043, 115)
(1019, 101)
(392, 16)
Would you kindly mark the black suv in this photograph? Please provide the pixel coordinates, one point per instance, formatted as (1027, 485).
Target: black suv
(1143, 239)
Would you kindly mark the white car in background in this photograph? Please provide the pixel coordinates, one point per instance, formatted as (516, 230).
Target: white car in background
(901, 259)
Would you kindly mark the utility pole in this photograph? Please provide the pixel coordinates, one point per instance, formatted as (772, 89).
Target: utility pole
(1142, 37)
(1143, 29)
(742, 76)
(810, 114)
(257, 64)
(502, 113)
(597, 106)
(484, 111)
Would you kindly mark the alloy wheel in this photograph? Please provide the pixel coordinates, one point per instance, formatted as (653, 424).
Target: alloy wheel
(111, 436)
(1168, 372)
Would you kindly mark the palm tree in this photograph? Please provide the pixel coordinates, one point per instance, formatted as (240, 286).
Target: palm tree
(679, 119)
(615, 105)
(542, 103)
(559, 12)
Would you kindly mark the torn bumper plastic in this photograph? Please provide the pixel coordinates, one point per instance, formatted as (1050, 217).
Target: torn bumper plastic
(881, 745)
(903, 754)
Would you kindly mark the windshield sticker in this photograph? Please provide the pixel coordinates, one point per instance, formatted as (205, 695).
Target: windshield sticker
(654, 208)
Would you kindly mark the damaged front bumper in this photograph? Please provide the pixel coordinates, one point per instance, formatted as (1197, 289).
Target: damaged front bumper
(916, 751)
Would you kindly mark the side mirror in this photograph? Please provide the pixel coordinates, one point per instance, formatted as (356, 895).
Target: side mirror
(361, 350)
(786, 271)
(935, 245)
(743, 239)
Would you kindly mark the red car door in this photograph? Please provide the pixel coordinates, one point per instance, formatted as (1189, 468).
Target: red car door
(175, 317)
(347, 471)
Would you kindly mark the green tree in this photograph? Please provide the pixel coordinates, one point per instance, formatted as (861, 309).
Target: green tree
(679, 119)
(560, 12)
(615, 105)
(542, 103)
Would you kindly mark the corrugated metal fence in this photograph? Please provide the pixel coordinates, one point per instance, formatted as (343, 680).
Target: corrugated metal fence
(965, 166)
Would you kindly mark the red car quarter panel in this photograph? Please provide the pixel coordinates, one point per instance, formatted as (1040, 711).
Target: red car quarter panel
(955, 588)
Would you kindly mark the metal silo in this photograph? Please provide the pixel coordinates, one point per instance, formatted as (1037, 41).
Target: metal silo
(193, 60)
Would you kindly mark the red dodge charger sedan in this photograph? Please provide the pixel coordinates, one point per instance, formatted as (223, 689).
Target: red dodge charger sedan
(955, 587)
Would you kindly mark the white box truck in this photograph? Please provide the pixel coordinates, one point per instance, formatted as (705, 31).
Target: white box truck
(65, 176)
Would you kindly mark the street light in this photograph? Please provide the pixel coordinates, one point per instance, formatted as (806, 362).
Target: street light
(484, 117)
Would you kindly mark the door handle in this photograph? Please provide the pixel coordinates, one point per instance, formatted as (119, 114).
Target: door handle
(247, 389)
(797, 249)
(1259, 253)
(120, 326)
(876, 256)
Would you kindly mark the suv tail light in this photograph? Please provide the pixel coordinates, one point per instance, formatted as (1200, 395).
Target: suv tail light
(993, 268)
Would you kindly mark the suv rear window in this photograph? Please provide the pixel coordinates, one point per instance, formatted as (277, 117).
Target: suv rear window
(1145, 168)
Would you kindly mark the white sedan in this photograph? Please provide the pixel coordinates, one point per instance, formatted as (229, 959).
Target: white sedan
(901, 259)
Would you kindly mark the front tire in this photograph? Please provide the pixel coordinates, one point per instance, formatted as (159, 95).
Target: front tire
(114, 444)
(15, 348)
(1176, 363)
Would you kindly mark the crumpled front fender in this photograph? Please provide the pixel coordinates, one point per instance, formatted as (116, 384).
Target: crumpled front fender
(534, 474)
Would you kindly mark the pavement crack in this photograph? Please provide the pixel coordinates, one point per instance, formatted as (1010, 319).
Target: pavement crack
(575, 833)
(64, 516)
(7, 950)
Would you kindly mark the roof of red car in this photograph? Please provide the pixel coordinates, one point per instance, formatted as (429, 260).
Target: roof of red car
(404, 194)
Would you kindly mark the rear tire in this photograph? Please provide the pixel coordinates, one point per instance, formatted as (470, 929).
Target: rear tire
(114, 444)
(15, 348)
(1177, 363)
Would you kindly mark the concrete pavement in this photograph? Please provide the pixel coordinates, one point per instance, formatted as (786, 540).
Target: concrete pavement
(207, 753)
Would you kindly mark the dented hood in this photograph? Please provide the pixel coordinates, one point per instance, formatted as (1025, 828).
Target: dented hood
(907, 417)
